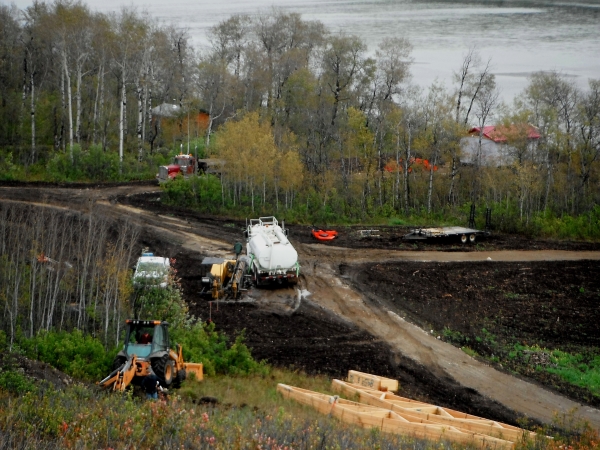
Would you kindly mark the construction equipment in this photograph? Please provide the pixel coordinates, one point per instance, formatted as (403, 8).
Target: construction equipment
(465, 235)
(151, 271)
(182, 164)
(147, 346)
(272, 257)
(225, 278)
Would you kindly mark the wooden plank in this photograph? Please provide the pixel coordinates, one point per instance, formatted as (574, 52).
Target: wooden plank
(387, 420)
(432, 413)
(372, 381)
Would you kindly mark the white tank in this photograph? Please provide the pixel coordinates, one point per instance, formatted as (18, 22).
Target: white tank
(269, 247)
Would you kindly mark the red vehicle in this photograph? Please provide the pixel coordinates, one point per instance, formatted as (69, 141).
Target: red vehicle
(182, 164)
(324, 235)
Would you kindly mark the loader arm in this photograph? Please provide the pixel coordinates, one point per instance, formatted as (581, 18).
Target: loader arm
(120, 378)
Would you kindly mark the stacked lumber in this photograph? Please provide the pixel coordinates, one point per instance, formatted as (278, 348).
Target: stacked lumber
(372, 381)
(379, 408)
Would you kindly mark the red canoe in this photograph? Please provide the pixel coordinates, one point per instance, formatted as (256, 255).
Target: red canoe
(324, 235)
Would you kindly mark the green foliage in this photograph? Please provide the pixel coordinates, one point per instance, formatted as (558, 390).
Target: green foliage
(81, 356)
(88, 165)
(469, 351)
(153, 303)
(15, 382)
(201, 343)
(78, 418)
(456, 337)
(202, 193)
(580, 370)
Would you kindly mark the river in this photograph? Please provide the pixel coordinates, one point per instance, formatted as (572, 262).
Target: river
(520, 37)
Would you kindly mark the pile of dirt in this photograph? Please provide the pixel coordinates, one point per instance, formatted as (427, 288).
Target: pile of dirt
(38, 372)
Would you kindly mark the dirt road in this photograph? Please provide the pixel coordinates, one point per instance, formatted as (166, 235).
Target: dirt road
(360, 324)
(327, 288)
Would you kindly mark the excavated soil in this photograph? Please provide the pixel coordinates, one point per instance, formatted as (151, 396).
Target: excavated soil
(490, 306)
(36, 370)
(550, 303)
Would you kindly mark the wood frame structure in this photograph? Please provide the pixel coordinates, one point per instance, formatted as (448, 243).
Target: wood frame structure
(432, 413)
(378, 408)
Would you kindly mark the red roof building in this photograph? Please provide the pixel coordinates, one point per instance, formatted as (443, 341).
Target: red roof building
(498, 133)
(500, 145)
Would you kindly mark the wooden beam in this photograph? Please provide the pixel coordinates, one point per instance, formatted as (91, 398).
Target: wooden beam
(372, 381)
(387, 420)
(435, 414)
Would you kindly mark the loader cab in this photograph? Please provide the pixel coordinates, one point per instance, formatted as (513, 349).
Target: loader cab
(146, 337)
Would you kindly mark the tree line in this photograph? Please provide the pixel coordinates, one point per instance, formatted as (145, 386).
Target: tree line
(64, 270)
(306, 120)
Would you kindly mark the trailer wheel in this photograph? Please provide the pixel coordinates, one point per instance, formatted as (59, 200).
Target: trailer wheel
(463, 239)
(472, 239)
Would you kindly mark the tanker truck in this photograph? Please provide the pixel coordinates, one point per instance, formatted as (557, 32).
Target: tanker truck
(273, 259)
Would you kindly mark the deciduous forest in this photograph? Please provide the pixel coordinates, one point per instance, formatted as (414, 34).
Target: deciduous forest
(310, 124)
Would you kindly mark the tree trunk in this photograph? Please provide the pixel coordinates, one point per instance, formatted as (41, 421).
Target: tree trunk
(123, 104)
(32, 88)
(69, 103)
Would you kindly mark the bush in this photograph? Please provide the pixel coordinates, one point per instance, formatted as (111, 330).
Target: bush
(16, 382)
(202, 192)
(201, 343)
(79, 356)
(165, 304)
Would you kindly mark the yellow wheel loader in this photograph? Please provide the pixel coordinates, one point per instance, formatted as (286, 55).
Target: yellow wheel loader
(147, 347)
(225, 278)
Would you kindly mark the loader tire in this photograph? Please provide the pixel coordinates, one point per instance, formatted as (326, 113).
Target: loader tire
(118, 362)
(163, 368)
(179, 378)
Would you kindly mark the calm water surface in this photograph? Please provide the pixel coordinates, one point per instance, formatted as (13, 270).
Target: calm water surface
(519, 36)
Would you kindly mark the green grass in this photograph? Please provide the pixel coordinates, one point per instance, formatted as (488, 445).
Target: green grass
(577, 369)
(250, 414)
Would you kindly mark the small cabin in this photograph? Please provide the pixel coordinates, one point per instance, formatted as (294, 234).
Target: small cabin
(498, 144)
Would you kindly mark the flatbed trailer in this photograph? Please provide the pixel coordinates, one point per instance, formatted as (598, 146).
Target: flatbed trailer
(463, 234)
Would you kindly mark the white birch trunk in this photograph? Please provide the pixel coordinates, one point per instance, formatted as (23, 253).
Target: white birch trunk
(69, 103)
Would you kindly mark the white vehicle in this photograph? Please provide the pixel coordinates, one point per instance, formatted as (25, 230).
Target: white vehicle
(272, 257)
(151, 271)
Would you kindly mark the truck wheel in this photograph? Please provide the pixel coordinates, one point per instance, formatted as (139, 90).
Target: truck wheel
(118, 362)
(255, 277)
(472, 239)
(180, 378)
(463, 239)
(163, 368)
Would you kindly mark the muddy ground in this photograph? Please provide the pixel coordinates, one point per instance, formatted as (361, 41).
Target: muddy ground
(385, 237)
(514, 302)
(491, 306)
(312, 339)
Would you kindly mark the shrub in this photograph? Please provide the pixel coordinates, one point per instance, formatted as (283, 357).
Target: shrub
(165, 304)
(79, 356)
(15, 382)
(201, 343)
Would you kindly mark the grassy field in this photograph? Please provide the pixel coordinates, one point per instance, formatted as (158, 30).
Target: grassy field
(223, 412)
